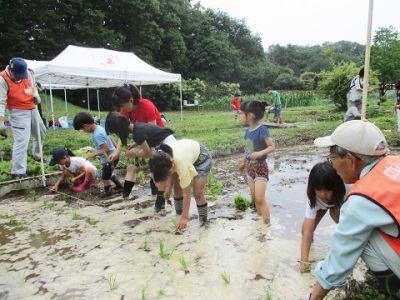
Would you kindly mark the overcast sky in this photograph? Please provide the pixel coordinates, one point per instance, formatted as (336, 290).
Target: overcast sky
(310, 22)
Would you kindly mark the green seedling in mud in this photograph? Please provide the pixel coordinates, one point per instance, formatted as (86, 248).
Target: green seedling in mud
(112, 282)
(144, 289)
(210, 179)
(252, 204)
(50, 205)
(22, 278)
(44, 202)
(216, 188)
(268, 295)
(42, 237)
(103, 229)
(225, 277)
(8, 268)
(11, 219)
(75, 216)
(64, 196)
(122, 238)
(212, 198)
(182, 261)
(174, 221)
(163, 253)
(93, 222)
(33, 195)
(140, 177)
(21, 225)
(240, 202)
(146, 244)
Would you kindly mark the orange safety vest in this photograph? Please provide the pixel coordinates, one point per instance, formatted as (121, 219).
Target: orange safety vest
(20, 94)
(381, 185)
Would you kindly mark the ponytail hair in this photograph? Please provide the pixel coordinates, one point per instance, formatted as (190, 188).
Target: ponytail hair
(118, 124)
(123, 94)
(160, 163)
(69, 152)
(255, 107)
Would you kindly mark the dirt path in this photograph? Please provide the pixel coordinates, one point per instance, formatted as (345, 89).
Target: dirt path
(49, 252)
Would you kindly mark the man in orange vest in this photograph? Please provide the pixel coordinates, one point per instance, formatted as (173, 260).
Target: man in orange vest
(369, 224)
(19, 96)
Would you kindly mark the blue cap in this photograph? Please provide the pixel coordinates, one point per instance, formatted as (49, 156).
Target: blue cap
(57, 154)
(19, 67)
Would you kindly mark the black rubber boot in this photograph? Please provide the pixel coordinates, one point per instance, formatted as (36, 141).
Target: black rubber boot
(128, 185)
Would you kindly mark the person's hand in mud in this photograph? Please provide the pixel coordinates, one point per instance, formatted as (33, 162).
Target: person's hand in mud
(113, 157)
(131, 146)
(54, 188)
(255, 155)
(242, 167)
(182, 224)
(131, 153)
(305, 267)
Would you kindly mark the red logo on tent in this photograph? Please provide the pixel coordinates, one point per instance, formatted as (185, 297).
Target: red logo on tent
(110, 61)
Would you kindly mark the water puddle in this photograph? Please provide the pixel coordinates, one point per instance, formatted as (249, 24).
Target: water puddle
(101, 249)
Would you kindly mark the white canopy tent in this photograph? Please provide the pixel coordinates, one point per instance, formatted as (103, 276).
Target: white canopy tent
(81, 67)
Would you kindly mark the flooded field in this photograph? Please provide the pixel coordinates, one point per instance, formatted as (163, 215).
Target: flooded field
(65, 248)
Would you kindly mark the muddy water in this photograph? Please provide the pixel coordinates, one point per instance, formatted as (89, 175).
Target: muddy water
(45, 253)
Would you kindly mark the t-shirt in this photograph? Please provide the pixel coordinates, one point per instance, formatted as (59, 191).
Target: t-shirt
(185, 154)
(255, 141)
(76, 163)
(236, 103)
(311, 213)
(356, 84)
(352, 114)
(100, 138)
(145, 112)
(278, 97)
(153, 134)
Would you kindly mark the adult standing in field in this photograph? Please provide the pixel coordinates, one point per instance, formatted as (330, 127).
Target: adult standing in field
(369, 219)
(236, 106)
(356, 89)
(136, 109)
(19, 95)
(396, 106)
(277, 105)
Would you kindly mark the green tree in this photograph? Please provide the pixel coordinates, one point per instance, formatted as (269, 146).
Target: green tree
(385, 57)
(288, 81)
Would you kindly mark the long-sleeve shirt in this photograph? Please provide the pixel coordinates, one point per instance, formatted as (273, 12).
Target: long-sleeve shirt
(358, 218)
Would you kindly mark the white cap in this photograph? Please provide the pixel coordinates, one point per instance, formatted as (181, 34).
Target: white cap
(358, 136)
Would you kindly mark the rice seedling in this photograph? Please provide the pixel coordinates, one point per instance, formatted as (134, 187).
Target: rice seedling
(144, 289)
(44, 202)
(75, 216)
(216, 188)
(11, 219)
(42, 237)
(225, 277)
(122, 238)
(21, 225)
(268, 295)
(210, 179)
(252, 204)
(112, 282)
(93, 222)
(174, 221)
(33, 195)
(64, 197)
(212, 198)
(182, 261)
(103, 229)
(22, 277)
(50, 205)
(140, 177)
(146, 244)
(240, 202)
(8, 268)
(164, 254)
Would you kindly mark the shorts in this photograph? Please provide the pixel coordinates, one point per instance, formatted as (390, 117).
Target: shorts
(203, 163)
(108, 169)
(278, 109)
(257, 170)
(236, 112)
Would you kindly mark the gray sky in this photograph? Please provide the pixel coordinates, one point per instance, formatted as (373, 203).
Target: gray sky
(310, 22)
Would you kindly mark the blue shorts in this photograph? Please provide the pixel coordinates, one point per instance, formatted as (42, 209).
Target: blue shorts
(277, 111)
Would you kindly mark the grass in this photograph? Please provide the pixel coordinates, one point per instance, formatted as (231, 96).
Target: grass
(11, 219)
(225, 277)
(112, 283)
(164, 254)
(216, 188)
(75, 216)
(240, 202)
(146, 244)
(21, 225)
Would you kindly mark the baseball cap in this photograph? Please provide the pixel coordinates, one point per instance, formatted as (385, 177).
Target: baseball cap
(57, 154)
(358, 136)
(19, 67)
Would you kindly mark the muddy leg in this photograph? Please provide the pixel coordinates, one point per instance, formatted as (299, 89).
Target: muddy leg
(259, 189)
(201, 202)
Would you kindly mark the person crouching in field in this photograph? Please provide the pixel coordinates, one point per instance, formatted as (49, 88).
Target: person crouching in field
(82, 171)
(146, 136)
(174, 166)
(252, 111)
(104, 147)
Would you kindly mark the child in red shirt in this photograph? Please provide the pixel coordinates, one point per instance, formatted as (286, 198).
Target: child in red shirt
(236, 106)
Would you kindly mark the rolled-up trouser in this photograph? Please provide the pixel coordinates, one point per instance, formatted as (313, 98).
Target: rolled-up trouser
(20, 121)
(379, 256)
(398, 119)
(42, 131)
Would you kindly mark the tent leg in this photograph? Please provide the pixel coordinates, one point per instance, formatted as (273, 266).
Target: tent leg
(51, 102)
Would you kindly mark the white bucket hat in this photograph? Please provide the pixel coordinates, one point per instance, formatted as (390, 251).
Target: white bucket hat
(358, 136)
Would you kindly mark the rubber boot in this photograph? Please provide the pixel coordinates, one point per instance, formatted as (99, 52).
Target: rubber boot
(118, 184)
(160, 201)
(87, 183)
(128, 185)
(107, 191)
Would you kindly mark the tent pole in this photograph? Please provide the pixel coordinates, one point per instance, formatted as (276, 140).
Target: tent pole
(367, 61)
(66, 106)
(180, 84)
(51, 102)
(47, 108)
(98, 103)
